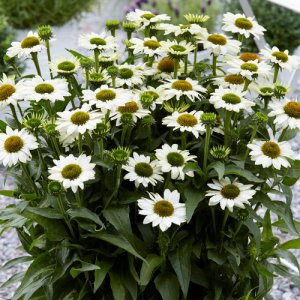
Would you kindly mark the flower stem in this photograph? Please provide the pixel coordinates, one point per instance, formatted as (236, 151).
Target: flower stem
(276, 71)
(55, 146)
(176, 62)
(36, 63)
(118, 181)
(25, 170)
(214, 64)
(78, 198)
(183, 140)
(251, 140)
(96, 55)
(87, 78)
(80, 143)
(237, 229)
(49, 55)
(167, 181)
(227, 127)
(247, 82)
(16, 70)
(65, 216)
(150, 61)
(195, 54)
(206, 146)
(147, 31)
(226, 214)
(13, 110)
(101, 148)
(124, 131)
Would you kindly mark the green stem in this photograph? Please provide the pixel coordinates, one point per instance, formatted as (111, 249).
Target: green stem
(101, 148)
(36, 63)
(183, 140)
(227, 127)
(124, 131)
(78, 198)
(150, 61)
(87, 78)
(149, 136)
(147, 31)
(80, 143)
(276, 71)
(96, 55)
(167, 181)
(65, 216)
(206, 146)
(113, 81)
(54, 141)
(39, 152)
(25, 170)
(247, 82)
(49, 55)
(48, 107)
(237, 229)
(13, 110)
(16, 70)
(176, 63)
(118, 181)
(251, 140)
(226, 214)
(20, 109)
(195, 54)
(214, 64)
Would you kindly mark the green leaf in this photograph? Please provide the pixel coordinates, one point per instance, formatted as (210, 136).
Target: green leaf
(167, 285)
(192, 166)
(267, 227)
(14, 262)
(193, 198)
(294, 170)
(76, 54)
(101, 273)
(181, 262)
(9, 193)
(292, 244)
(84, 268)
(49, 213)
(84, 213)
(235, 253)
(3, 126)
(151, 263)
(218, 167)
(289, 181)
(117, 287)
(235, 170)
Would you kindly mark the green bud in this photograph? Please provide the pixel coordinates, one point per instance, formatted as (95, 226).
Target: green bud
(45, 32)
(55, 187)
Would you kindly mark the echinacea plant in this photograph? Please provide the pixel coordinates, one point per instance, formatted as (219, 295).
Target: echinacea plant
(153, 172)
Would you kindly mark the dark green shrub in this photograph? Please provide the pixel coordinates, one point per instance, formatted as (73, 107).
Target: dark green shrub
(30, 13)
(283, 25)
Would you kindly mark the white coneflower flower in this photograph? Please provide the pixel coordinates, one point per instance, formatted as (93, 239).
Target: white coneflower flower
(271, 153)
(72, 171)
(286, 113)
(149, 46)
(78, 121)
(229, 194)
(281, 58)
(163, 211)
(183, 87)
(172, 160)
(231, 99)
(142, 170)
(64, 66)
(98, 77)
(218, 44)
(130, 75)
(106, 98)
(250, 69)
(144, 18)
(133, 108)
(31, 44)
(15, 146)
(151, 96)
(239, 23)
(177, 49)
(10, 92)
(102, 41)
(184, 29)
(230, 80)
(186, 121)
(38, 89)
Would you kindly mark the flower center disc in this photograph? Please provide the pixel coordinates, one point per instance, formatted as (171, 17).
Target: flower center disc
(182, 85)
(270, 149)
(152, 44)
(163, 208)
(217, 39)
(292, 109)
(80, 118)
(148, 16)
(71, 171)
(249, 67)
(178, 48)
(280, 56)
(30, 42)
(44, 88)
(98, 41)
(243, 23)
(231, 98)
(175, 159)
(166, 65)
(6, 90)
(143, 169)
(234, 79)
(188, 120)
(13, 144)
(249, 56)
(129, 107)
(106, 95)
(66, 66)
(230, 191)
(266, 90)
(125, 73)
